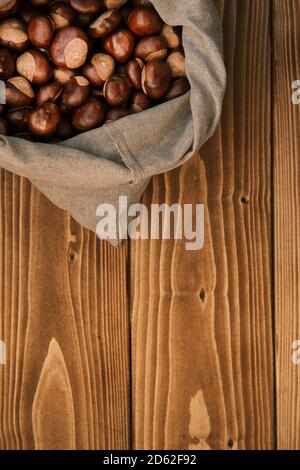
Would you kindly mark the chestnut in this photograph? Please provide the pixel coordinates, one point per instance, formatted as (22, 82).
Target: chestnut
(178, 88)
(4, 127)
(18, 92)
(133, 71)
(114, 3)
(63, 75)
(7, 63)
(99, 69)
(62, 15)
(8, 7)
(75, 92)
(144, 21)
(17, 117)
(69, 47)
(176, 61)
(89, 115)
(105, 24)
(120, 45)
(43, 120)
(50, 92)
(13, 34)
(140, 102)
(116, 113)
(34, 66)
(40, 31)
(86, 6)
(151, 47)
(173, 35)
(156, 79)
(117, 90)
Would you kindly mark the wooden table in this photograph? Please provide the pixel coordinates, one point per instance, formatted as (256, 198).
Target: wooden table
(151, 346)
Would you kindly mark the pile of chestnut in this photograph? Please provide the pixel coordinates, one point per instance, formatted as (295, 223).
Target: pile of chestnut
(70, 66)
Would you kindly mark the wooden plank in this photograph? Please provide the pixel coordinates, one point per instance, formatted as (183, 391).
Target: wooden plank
(64, 317)
(286, 35)
(202, 351)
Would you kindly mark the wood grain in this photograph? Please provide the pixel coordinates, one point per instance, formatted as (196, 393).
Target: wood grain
(286, 34)
(64, 317)
(202, 350)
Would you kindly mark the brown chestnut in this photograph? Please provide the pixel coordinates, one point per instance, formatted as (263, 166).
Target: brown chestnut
(100, 68)
(178, 88)
(144, 21)
(17, 117)
(116, 113)
(69, 47)
(62, 15)
(40, 31)
(139, 102)
(34, 66)
(156, 79)
(173, 35)
(13, 34)
(43, 120)
(18, 92)
(50, 92)
(7, 63)
(176, 61)
(86, 6)
(117, 90)
(151, 47)
(105, 24)
(75, 92)
(89, 115)
(63, 75)
(120, 45)
(8, 7)
(133, 71)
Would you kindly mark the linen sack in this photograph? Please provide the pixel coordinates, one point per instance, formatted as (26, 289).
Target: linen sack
(120, 158)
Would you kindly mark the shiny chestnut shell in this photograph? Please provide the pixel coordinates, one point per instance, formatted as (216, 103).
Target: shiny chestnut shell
(69, 47)
(156, 79)
(89, 115)
(144, 21)
(105, 24)
(117, 90)
(43, 120)
(40, 31)
(120, 45)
